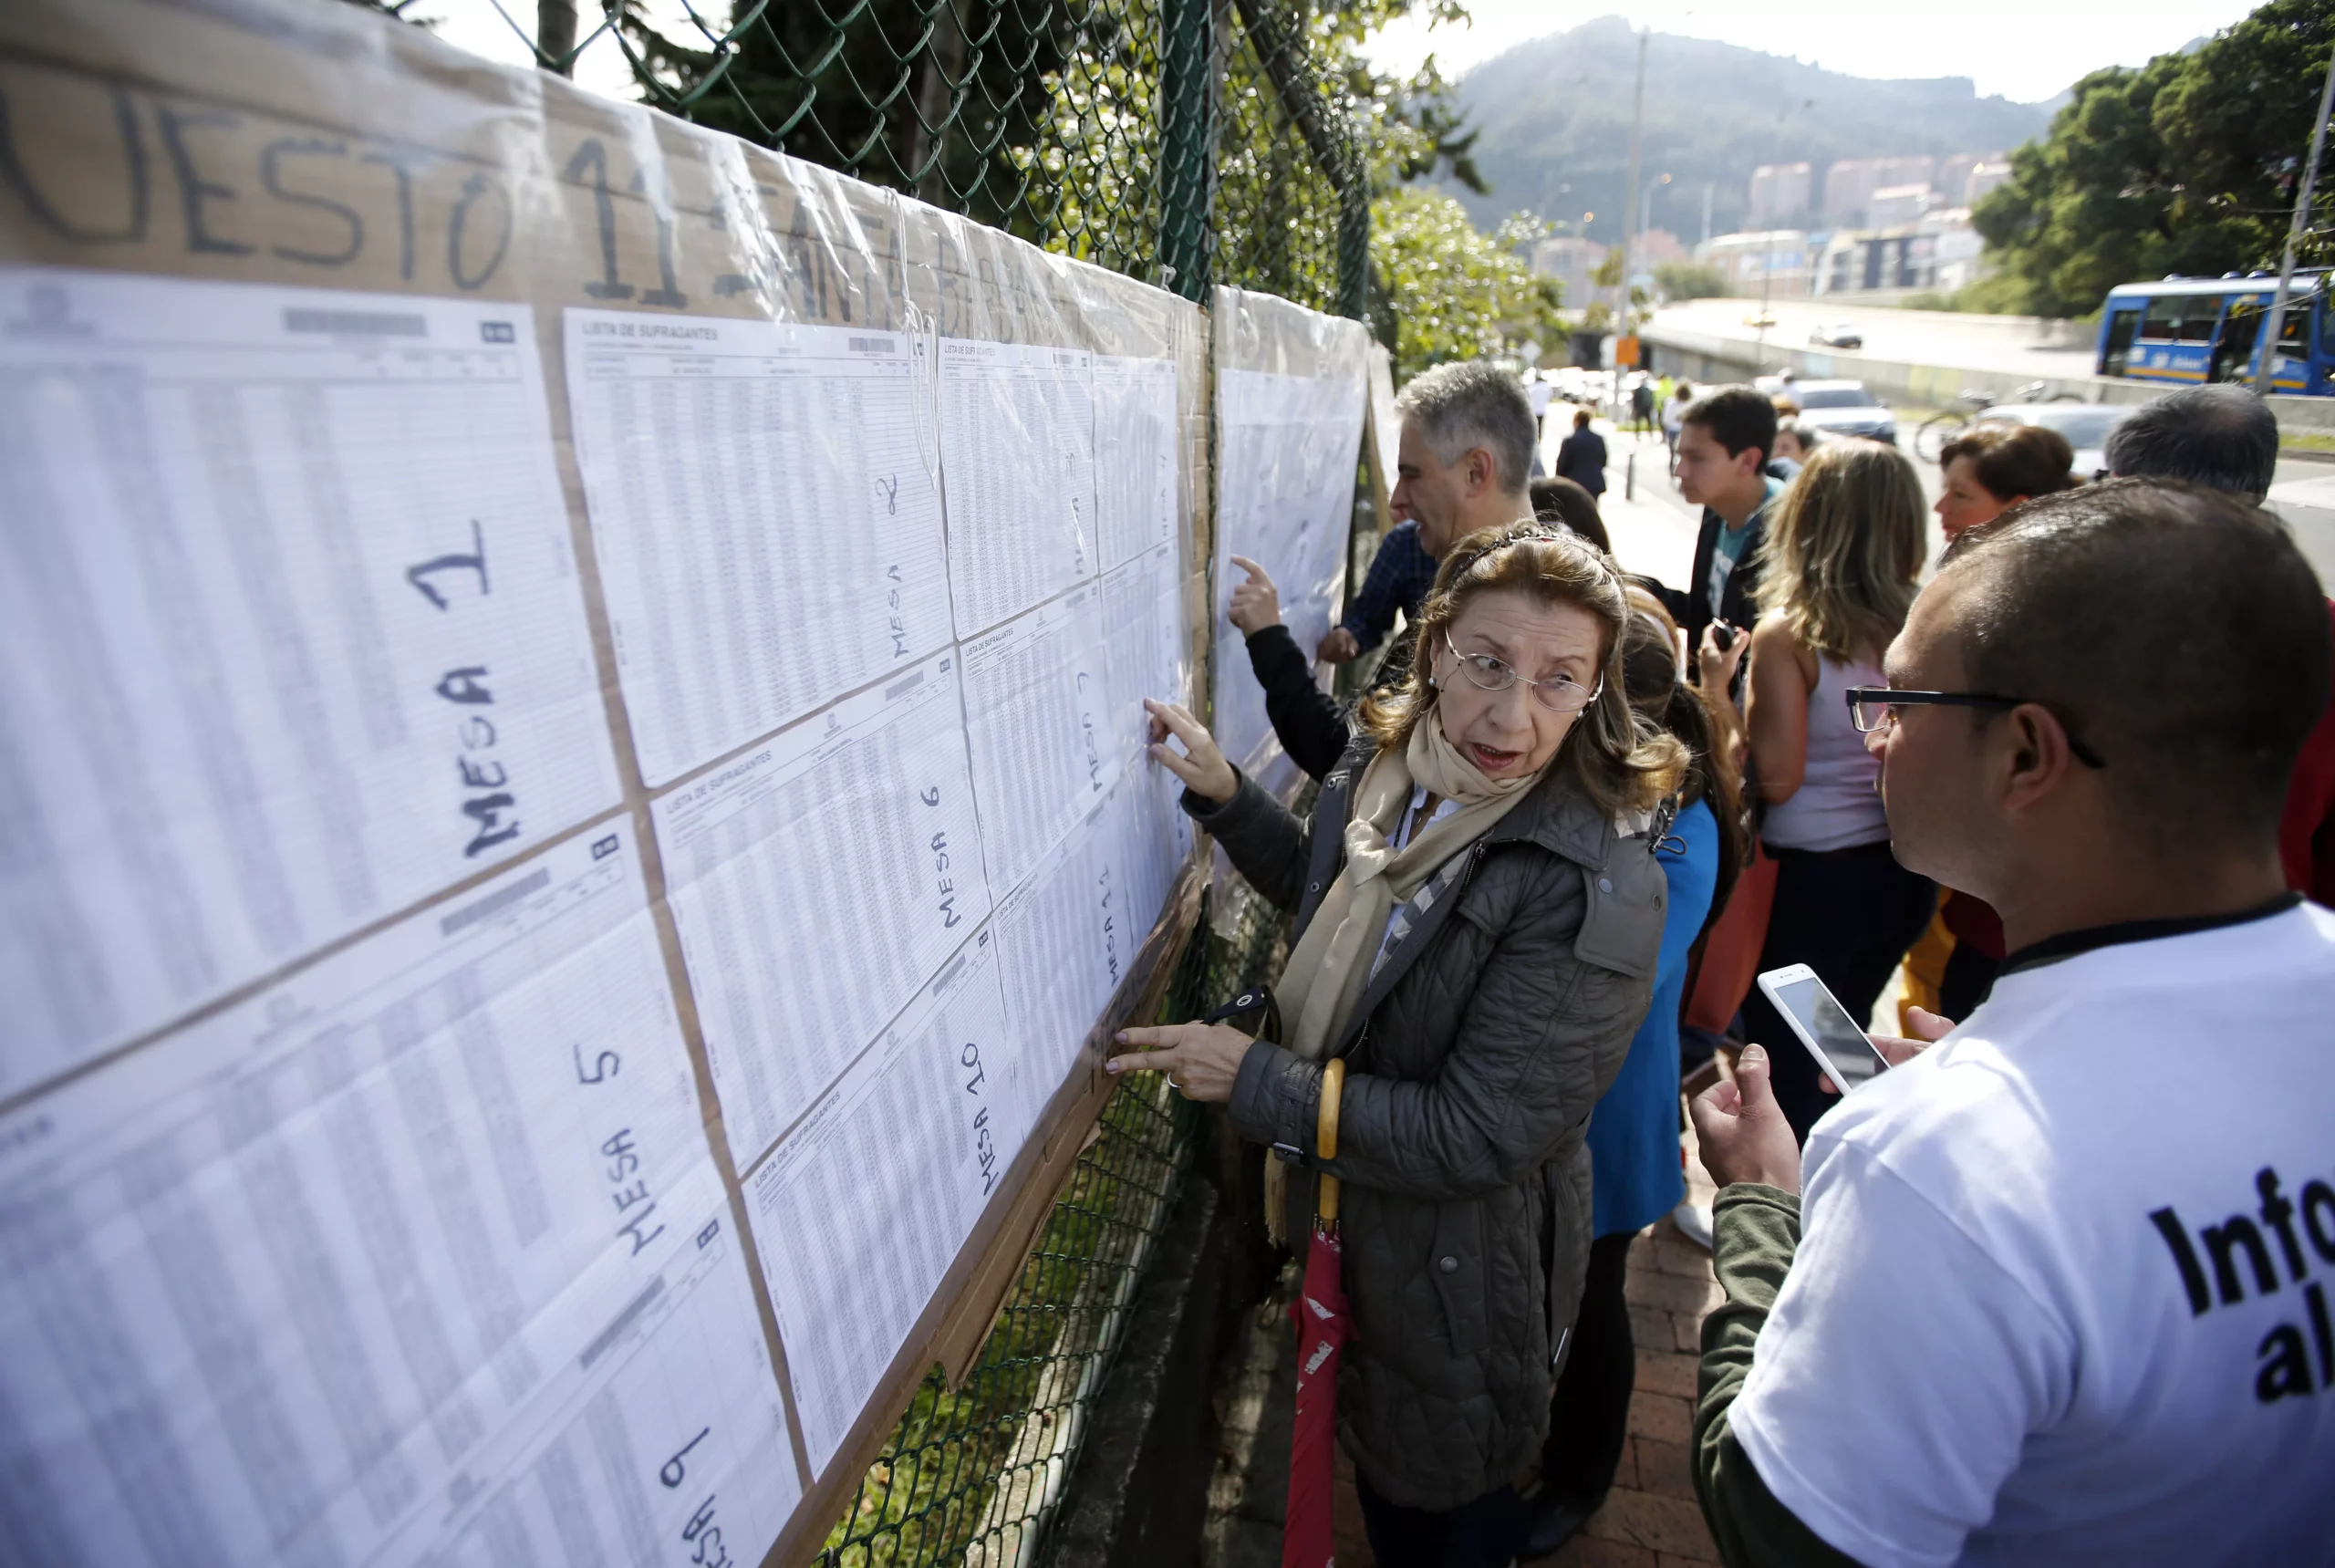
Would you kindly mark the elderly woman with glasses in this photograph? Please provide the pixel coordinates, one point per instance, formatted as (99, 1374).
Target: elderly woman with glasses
(1479, 913)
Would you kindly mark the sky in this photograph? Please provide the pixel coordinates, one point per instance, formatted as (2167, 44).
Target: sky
(2025, 50)
(501, 29)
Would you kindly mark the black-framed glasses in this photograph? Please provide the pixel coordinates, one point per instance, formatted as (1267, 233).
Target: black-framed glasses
(1873, 708)
(1559, 693)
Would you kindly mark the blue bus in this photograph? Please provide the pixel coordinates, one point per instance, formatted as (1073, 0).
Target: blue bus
(2186, 330)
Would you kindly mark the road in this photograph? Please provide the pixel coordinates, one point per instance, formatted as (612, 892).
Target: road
(2305, 497)
(2006, 344)
(1654, 532)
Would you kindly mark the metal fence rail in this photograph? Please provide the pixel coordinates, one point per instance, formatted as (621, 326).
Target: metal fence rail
(1184, 142)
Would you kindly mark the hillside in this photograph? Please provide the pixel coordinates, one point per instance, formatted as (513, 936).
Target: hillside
(1556, 112)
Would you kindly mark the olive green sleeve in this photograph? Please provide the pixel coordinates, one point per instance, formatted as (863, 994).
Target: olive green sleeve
(1755, 1230)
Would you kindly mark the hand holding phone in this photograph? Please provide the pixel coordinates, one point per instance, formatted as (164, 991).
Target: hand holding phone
(1842, 1049)
(1724, 650)
(1924, 1030)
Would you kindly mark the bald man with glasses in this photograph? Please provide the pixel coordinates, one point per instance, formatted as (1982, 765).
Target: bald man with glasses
(2057, 1287)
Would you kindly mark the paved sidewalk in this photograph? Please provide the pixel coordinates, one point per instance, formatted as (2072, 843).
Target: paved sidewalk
(1652, 529)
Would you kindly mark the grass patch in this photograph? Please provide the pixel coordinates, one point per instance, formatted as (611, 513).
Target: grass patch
(2319, 441)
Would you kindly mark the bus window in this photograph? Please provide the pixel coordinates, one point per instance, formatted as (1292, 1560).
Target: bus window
(2205, 314)
(2163, 321)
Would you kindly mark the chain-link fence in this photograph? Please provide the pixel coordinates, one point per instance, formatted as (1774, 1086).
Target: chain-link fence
(1185, 142)
(973, 1474)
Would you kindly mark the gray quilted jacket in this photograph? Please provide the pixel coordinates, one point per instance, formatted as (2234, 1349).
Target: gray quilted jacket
(1496, 1021)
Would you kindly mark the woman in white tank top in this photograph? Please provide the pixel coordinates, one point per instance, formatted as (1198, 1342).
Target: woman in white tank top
(1844, 556)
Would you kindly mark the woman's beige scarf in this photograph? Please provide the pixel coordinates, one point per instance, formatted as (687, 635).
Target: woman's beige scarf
(1326, 975)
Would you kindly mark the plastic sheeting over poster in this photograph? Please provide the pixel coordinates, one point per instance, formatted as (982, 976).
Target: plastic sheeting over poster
(571, 695)
(1291, 386)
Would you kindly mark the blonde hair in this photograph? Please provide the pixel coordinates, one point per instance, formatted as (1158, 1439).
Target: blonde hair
(1619, 759)
(1844, 549)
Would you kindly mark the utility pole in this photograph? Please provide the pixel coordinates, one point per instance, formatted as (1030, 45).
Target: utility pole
(1707, 188)
(556, 36)
(1630, 196)
(2274, 328)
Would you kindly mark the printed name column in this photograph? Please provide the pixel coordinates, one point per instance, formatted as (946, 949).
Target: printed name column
(1037, 701)
(1017, 442)
(764, 509)
(909, 1145)
(817, 883)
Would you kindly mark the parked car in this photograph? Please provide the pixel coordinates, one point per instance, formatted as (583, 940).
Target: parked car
(1837, 335)
(1843, 408)
(2086, 426)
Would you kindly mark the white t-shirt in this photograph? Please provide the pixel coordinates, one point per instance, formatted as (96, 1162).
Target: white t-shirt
(2051, 1303)
(1539, 393)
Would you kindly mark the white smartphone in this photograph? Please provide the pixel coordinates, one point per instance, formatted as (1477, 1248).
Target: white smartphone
(1842, 1051)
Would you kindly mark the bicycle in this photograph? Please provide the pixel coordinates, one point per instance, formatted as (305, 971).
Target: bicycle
(1942, 427)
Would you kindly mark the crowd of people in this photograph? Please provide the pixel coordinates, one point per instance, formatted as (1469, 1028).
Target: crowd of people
(2053, 1286)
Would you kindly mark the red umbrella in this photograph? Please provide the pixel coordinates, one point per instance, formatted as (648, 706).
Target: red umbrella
(1308, 1534)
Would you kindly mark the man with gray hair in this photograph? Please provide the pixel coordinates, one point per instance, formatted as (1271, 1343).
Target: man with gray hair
(1465, 458)
(2223, 437)
(1465, 463)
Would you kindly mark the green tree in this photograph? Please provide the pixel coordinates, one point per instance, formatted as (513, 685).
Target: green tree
(1455, 292)
(1597, 316)
(2185, 165)
(1689, 280)
(1046, 120)
(2237, 127)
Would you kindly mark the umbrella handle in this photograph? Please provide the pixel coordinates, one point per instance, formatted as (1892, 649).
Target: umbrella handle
(1325, 1137)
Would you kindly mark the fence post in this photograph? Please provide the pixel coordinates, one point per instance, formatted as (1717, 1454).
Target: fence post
(1354, 245)
(1187, 60)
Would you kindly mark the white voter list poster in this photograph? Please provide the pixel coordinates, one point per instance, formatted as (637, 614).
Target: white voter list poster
(394, 1261)
(1143, 605)
(1135, 455)
(290, 634)
(909, 1145)
(817, 883)
(765, 509)
(1063, 940)
(1038, 706)
(1288, 448)
(1017, 442)
(664, 1441)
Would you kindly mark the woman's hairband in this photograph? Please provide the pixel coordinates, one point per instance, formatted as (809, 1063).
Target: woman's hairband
(1537, 534)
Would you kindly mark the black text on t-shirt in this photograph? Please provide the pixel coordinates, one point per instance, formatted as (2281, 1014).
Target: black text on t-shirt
(2294, 1359)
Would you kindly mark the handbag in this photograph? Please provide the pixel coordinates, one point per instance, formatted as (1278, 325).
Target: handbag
(1731, 949)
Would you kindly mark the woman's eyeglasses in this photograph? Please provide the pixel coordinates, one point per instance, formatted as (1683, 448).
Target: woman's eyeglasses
(1874, 708)
(1559, 693)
